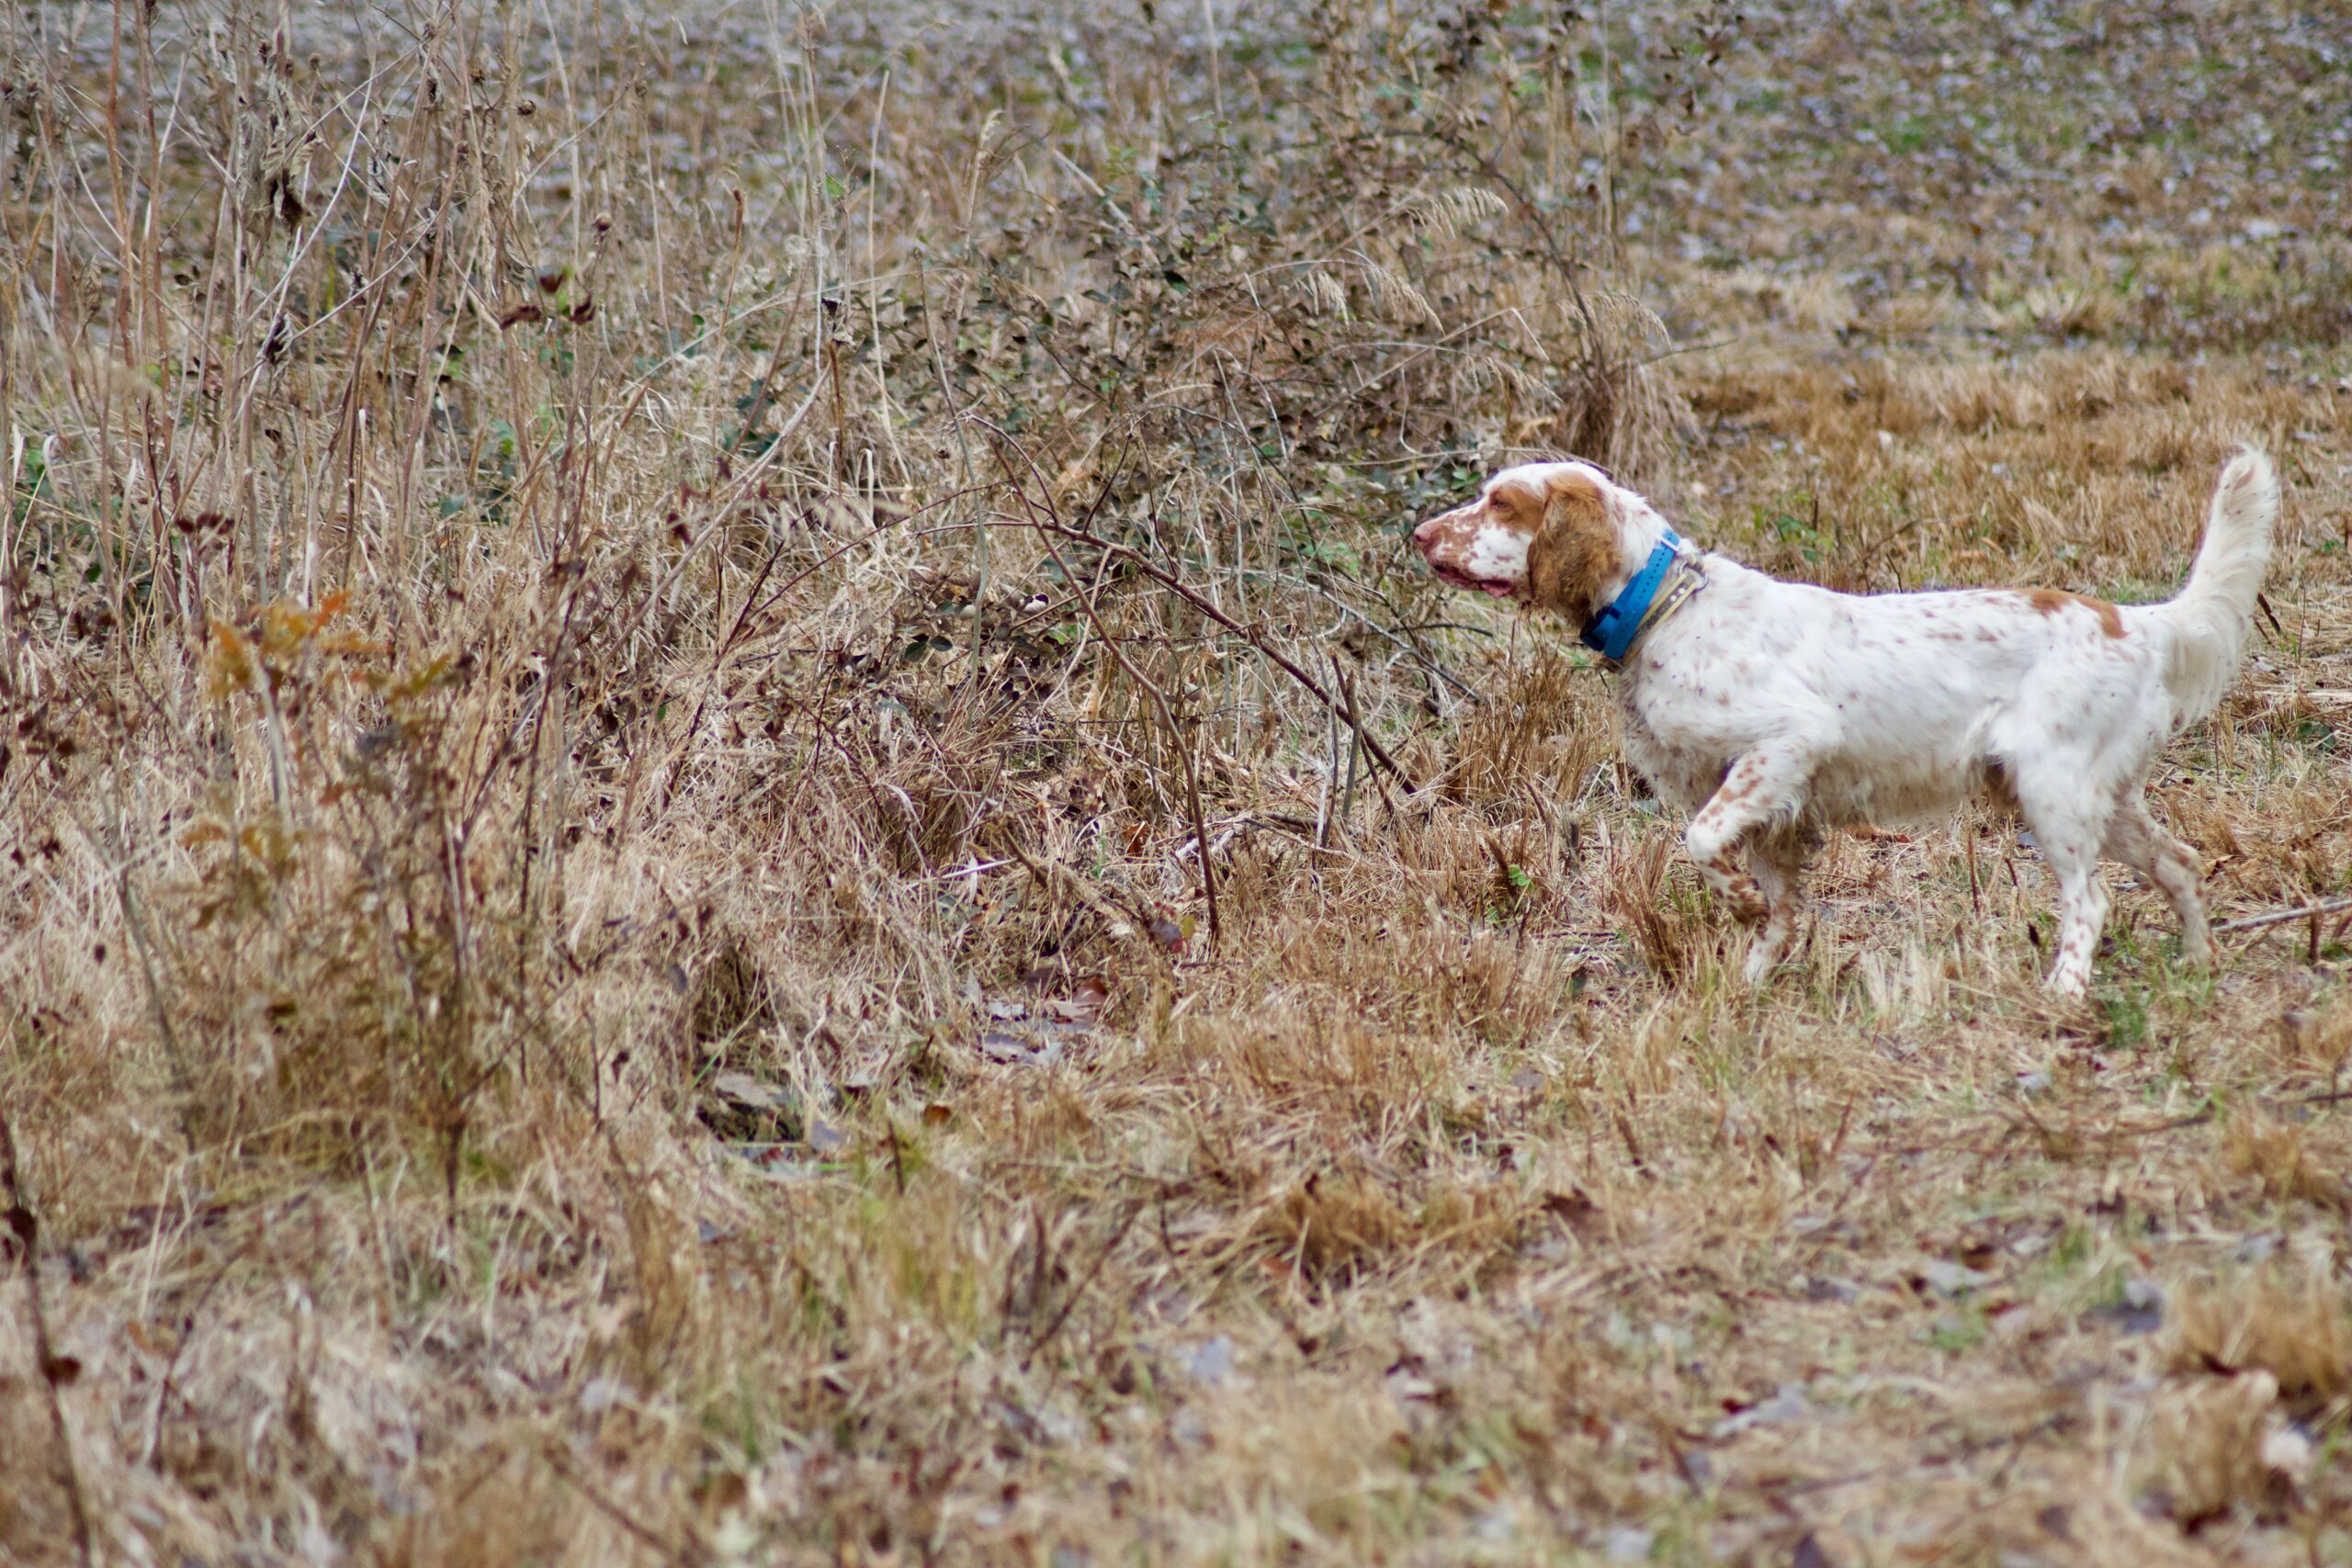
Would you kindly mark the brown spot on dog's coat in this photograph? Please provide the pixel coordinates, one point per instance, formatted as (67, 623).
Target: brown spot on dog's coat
(2050, 601)
(1574, 550)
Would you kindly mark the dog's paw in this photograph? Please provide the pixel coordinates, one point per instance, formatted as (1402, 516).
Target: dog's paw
(2068, 981)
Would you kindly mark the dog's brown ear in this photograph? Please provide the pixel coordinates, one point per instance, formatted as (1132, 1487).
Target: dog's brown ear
(1574, 552)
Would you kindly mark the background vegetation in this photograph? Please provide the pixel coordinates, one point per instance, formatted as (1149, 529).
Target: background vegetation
(733, 829)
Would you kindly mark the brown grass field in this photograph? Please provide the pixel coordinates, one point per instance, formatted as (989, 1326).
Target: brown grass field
(734, 831)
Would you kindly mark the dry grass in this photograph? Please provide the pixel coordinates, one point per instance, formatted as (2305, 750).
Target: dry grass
(733, 833)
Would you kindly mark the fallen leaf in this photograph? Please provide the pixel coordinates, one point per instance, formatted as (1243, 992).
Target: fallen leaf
(781, 1162)
(1083, 1006)
(2141, 1309)
(1786, 1405)
(745, 1089)
(1001, 1045)
(1949, 1280)
(723, 1491)
(1404, 1385)
(1576, 1211)
(152, 1340)
(2289, 1452)
(1211, 1361)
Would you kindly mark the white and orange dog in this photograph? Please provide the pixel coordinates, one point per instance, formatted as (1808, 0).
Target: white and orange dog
(1773, 711)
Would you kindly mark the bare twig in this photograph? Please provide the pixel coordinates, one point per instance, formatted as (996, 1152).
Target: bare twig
(569, 1474)
(172, 1362)
(1078, 1289)
(1255, 637)
(24, 1228)
(1050, 523)
(2280, 917)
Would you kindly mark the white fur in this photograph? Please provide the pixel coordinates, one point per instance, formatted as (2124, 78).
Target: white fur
(1497, 553)
(1772, 711)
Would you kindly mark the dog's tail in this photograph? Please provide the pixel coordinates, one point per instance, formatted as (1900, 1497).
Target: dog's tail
(2213, 615)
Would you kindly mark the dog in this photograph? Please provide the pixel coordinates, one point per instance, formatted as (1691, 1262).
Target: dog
(1772, 712)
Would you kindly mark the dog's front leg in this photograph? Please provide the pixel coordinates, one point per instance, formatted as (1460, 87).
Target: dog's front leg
(1765, 786)
(1776, 858)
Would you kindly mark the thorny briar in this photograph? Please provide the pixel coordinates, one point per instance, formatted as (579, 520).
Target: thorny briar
(732, 831)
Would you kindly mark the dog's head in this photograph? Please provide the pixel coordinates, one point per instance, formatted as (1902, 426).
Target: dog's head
(1549, 535)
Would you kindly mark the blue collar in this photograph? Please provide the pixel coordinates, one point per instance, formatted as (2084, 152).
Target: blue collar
(1611, 632)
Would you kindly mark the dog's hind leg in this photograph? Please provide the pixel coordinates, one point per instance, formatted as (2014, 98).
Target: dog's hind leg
(1765, 786)
(2169, 866)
